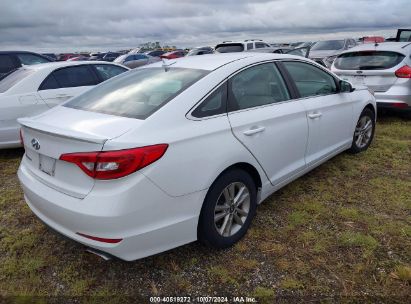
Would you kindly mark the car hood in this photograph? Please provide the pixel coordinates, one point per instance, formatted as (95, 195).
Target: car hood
(324, 53)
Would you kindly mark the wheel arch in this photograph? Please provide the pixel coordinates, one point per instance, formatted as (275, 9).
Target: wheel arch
(247, 167)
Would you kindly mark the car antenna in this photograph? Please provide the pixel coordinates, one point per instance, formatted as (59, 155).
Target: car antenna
(166, 64)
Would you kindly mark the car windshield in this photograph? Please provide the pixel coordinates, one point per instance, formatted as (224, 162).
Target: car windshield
(9, 80)
(137, 94)
(328, 45)
(368, 60)
(229, 48)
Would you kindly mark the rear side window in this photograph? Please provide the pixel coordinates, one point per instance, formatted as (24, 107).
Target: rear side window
(13, 78)
(107, 71)
(76, 76)
(368, 60)
(29, 59)
(137, 94)
(229, 47)
(214, 104)
(256, 86)
(310, 80)
(6, 64)
(49, 84)
(249, 46)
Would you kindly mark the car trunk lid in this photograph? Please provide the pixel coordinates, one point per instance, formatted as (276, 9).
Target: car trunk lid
(63, 131)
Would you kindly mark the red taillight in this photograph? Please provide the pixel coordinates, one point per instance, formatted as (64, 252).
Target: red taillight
(115, 164)
(401, 105)
(404, 72)
(98, 239)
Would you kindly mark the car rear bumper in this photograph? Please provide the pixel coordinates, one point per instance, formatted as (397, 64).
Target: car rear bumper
(146, 219)
(397, 102)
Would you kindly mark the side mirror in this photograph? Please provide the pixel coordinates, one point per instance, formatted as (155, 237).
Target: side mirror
(346, 87)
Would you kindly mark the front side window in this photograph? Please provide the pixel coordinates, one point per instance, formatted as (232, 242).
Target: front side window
(29, 59)
(50, 83)
(107, 71)
(256, 86)
(310, 80)
(137, 94)
(214, 104)
(77, 76)
(259, 45)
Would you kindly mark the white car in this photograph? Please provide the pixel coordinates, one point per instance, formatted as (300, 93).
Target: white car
(168, 154)
(243, 46)
(34, 89)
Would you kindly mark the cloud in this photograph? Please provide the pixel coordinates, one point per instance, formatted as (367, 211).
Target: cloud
(48, 25)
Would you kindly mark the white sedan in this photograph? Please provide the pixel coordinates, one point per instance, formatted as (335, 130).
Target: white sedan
(169, 154)
(34, 89)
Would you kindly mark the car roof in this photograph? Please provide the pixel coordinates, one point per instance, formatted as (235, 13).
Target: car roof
(61, 64)
(211, 62)
(401, 47)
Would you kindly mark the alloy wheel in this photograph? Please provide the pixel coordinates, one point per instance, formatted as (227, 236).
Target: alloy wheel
(232, 209)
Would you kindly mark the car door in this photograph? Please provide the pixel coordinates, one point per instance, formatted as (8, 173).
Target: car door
(329, 113)
(267, 121)
(65, 83)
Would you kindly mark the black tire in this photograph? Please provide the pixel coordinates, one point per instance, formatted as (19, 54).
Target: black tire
(355, 147)
(207, 230)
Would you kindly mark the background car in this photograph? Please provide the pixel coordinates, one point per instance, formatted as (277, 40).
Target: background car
(200, 51)
(241, 46)
(324, 52)
(110, 56)
(384, 68)
(96, 56)
(155, 53)
(31, 90)
(52, 56)
(66, 56)
(172, 155)
(174, 54)
(135, 60)
(11, 60)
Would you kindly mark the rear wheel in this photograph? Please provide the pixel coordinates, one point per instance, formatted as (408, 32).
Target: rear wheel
(364, 132)
(228, 209)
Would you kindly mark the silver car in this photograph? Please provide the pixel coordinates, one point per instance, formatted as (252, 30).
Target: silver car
(384, 68)
(324, 52)
(136, 60)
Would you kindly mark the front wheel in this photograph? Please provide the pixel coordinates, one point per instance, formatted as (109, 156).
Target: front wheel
(364, 132)
(228, 209)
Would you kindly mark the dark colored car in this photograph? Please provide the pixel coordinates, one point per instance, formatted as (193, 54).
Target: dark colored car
(110, 56)
(174, 54)
(11, 60)
(200, 51)
(155, 53)
(50, 55)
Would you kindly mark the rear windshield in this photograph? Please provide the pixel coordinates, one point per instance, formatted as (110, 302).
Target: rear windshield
(368, 60)
(12, 78)
(328, 45)
(229, 48)
(138, 93)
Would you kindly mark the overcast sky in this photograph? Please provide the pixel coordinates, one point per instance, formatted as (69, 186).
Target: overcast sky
(68, 25)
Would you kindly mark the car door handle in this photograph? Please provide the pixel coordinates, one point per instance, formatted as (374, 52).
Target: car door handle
(254, 131)
(314, 115)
